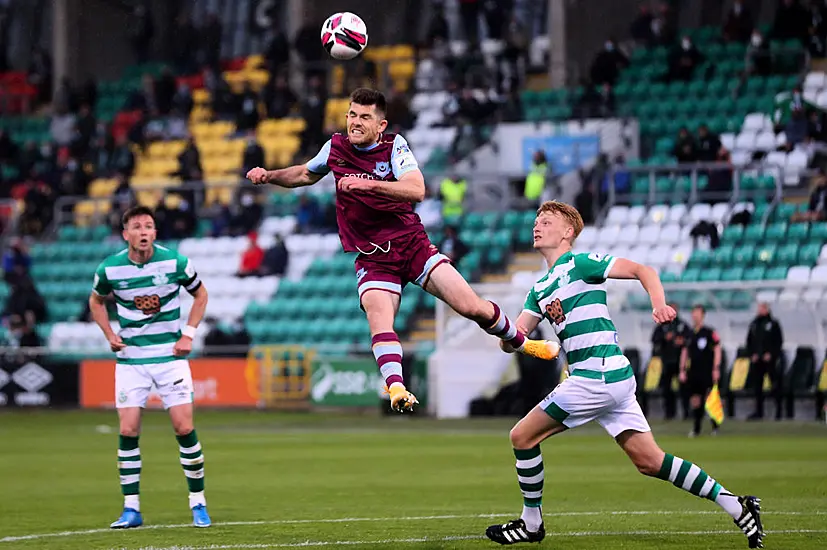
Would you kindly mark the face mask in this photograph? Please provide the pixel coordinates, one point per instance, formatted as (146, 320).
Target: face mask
(609, 46)
(246, 200)
(756, 40)
(686, 44)
(737, 9)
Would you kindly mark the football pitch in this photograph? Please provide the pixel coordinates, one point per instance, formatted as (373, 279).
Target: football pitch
(277, 480)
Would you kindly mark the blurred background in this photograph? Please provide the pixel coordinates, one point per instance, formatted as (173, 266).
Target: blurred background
(690, 134)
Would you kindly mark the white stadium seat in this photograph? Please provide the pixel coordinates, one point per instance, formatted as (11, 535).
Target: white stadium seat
(681, 254)
(617, 215)
(745, 141)
(639, 253)
(780, 139)
(741, 158)
(815, 80)
(799, 274)
(628, 235)
(728, 141)
(819, 274)
(608, 235)
(587, 237)
(700, 211)
(677, 212)
(669, 234)
(649, 235)
(789, 296)
(636, 214)
(821, 99)
(768, 296)
(776, 158)
(756, 122)
(812, 295)
(765, 141)
(656, 215)
(659, 255)
(822, 258)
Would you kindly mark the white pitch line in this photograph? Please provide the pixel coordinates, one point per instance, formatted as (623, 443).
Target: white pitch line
(63, 534)
(310, 543)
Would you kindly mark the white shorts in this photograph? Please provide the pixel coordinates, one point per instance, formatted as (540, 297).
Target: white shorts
(173, 381)
(579, 400)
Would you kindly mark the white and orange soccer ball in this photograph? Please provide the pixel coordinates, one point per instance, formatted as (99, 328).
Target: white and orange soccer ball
(344, 35)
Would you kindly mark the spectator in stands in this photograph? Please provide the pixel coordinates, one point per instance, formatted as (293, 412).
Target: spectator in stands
(786, 104)
(641, 27)
(73, 179)
(176, 217)
(307, 213)
(496, 14)
(515, 52)
(165, 89)
(62, 127)
(512, 107)
(438, 25)
(709, 148)
(248, 116)
(796, 129)
(182, 101)
(66, 99)
(277, 53)
(684, 59)
(469, 13)
(276, 259)
(685, 149)
(87, 126)
(88, 93)
(16, 261)
(705, 235)
(221, 95)
(535, 181)
(452, 246)
(123, 159)
(816, 127)
(399, 113)
(29, 157)
(123, 198)
(252, 258)
(817, 209)
(608, 63)
(790, 21)
(37, 207)
(452, 191)
(189, 162)
(596, 102)
(279, 100)
(739, 23)
(253, 154)
(250, 212)
(141, 32)
(312, 110)
(758, 57)
(764, 345)
(817, 29)
(584, 202)
(40, 75)
(210, 46)
(25, 306)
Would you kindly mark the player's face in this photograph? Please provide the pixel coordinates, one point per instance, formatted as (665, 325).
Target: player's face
(550, 230)
(140, 233)
(364, 124)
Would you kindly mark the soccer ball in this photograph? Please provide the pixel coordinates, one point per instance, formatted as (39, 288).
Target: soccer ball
(344, 35)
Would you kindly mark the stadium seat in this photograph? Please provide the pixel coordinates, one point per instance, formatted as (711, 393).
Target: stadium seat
(798, 275)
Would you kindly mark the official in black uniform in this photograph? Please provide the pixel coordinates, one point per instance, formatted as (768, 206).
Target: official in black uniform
(703, 351)
(668, 342)
(764, 343)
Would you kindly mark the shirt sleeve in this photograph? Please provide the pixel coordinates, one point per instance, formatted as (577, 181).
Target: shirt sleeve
(100, 284)
(594, 267)
(318, 164)
(187, 276)
(531, 305)
(402, 159)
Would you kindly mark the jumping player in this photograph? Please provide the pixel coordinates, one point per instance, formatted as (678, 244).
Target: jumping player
(151, 349)
(601, 384)
(377, 182)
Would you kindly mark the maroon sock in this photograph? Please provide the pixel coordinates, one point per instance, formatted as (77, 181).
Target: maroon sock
(502, 327)
(388, 353)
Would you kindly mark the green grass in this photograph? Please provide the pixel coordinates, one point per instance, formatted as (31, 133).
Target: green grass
(279, 481)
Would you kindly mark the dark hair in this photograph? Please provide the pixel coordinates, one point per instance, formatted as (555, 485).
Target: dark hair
(136, 211)
(701, 307)
(367, 97)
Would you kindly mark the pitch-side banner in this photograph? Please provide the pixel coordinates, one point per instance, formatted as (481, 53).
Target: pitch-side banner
(217, 383)
(35, 380)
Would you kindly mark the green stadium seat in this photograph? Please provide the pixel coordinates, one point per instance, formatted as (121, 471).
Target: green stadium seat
(776, 274)
(740, 300)
(818, 232)
(766, 182)
(669, 277)
(744, 254)
(776, 232)
(784, 211)
(754, 233)
(798, 232)
(710, 275)
(691, 275)
(787, 255)
(809, 253)
(473, 222)
(701, 257)
(512, 220)
(749, 183)
(495, 257)
(733, 274)
(732, 234)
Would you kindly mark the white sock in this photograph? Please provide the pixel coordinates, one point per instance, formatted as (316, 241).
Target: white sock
(533, 517)
(197, 498)
(132, 501)
(729, 502)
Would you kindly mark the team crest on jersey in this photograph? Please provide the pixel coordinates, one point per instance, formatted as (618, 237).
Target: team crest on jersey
(563, 280)
(382, 169)
(160, 279)
(701, 343)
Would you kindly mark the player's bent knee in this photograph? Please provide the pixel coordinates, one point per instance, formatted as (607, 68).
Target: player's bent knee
(520, 439)
(183, 428)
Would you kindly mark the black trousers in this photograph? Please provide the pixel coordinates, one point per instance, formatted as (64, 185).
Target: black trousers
(667, 376)
(763, 368)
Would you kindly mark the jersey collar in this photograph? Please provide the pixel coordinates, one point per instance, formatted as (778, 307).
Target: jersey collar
(563, 259)
(369, 147)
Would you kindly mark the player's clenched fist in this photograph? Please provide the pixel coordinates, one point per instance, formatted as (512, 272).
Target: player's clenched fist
(115, 342)
(257, 175)
(663, 314)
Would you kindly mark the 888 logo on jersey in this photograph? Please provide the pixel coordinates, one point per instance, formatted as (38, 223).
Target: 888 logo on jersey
(149, 305)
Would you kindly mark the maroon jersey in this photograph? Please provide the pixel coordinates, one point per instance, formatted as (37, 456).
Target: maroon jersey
(367, 221)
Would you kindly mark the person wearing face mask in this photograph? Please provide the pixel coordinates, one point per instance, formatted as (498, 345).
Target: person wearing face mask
(739, 23)
(683, 60)
(607, 64)
(758, 57)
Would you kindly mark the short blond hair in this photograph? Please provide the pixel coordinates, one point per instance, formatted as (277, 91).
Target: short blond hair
(567, 212)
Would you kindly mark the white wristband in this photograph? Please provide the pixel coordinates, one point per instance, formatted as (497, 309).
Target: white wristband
(189, 331)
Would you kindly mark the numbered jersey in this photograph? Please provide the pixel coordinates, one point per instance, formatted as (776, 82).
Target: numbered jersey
(147, 300)
(572, 296)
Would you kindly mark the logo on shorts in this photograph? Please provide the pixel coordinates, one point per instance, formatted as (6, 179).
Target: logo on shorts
(361, 275)
(160, 279)
(382, 169)
(122, 397)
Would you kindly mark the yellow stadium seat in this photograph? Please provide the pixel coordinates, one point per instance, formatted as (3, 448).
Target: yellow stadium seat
(236, 146)
(102, 187)
(199, 130)
(219, 194)
(254, 62)
(221, 129)
(295, 125)
(148, 198)
(211, 166)
(200, 114)
(402, 69)
(402, 51)
(258, 79)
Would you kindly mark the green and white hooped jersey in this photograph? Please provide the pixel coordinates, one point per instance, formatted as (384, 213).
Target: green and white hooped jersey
(146, 296)
(572, 296)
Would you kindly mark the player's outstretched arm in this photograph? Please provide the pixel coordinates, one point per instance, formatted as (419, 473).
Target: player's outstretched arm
(409, 188)
(648, 277)
(97, 309)
(290, 177)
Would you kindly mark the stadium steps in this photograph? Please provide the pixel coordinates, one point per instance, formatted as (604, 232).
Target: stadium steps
(496, 278)
(423, 330)
(524, 261)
